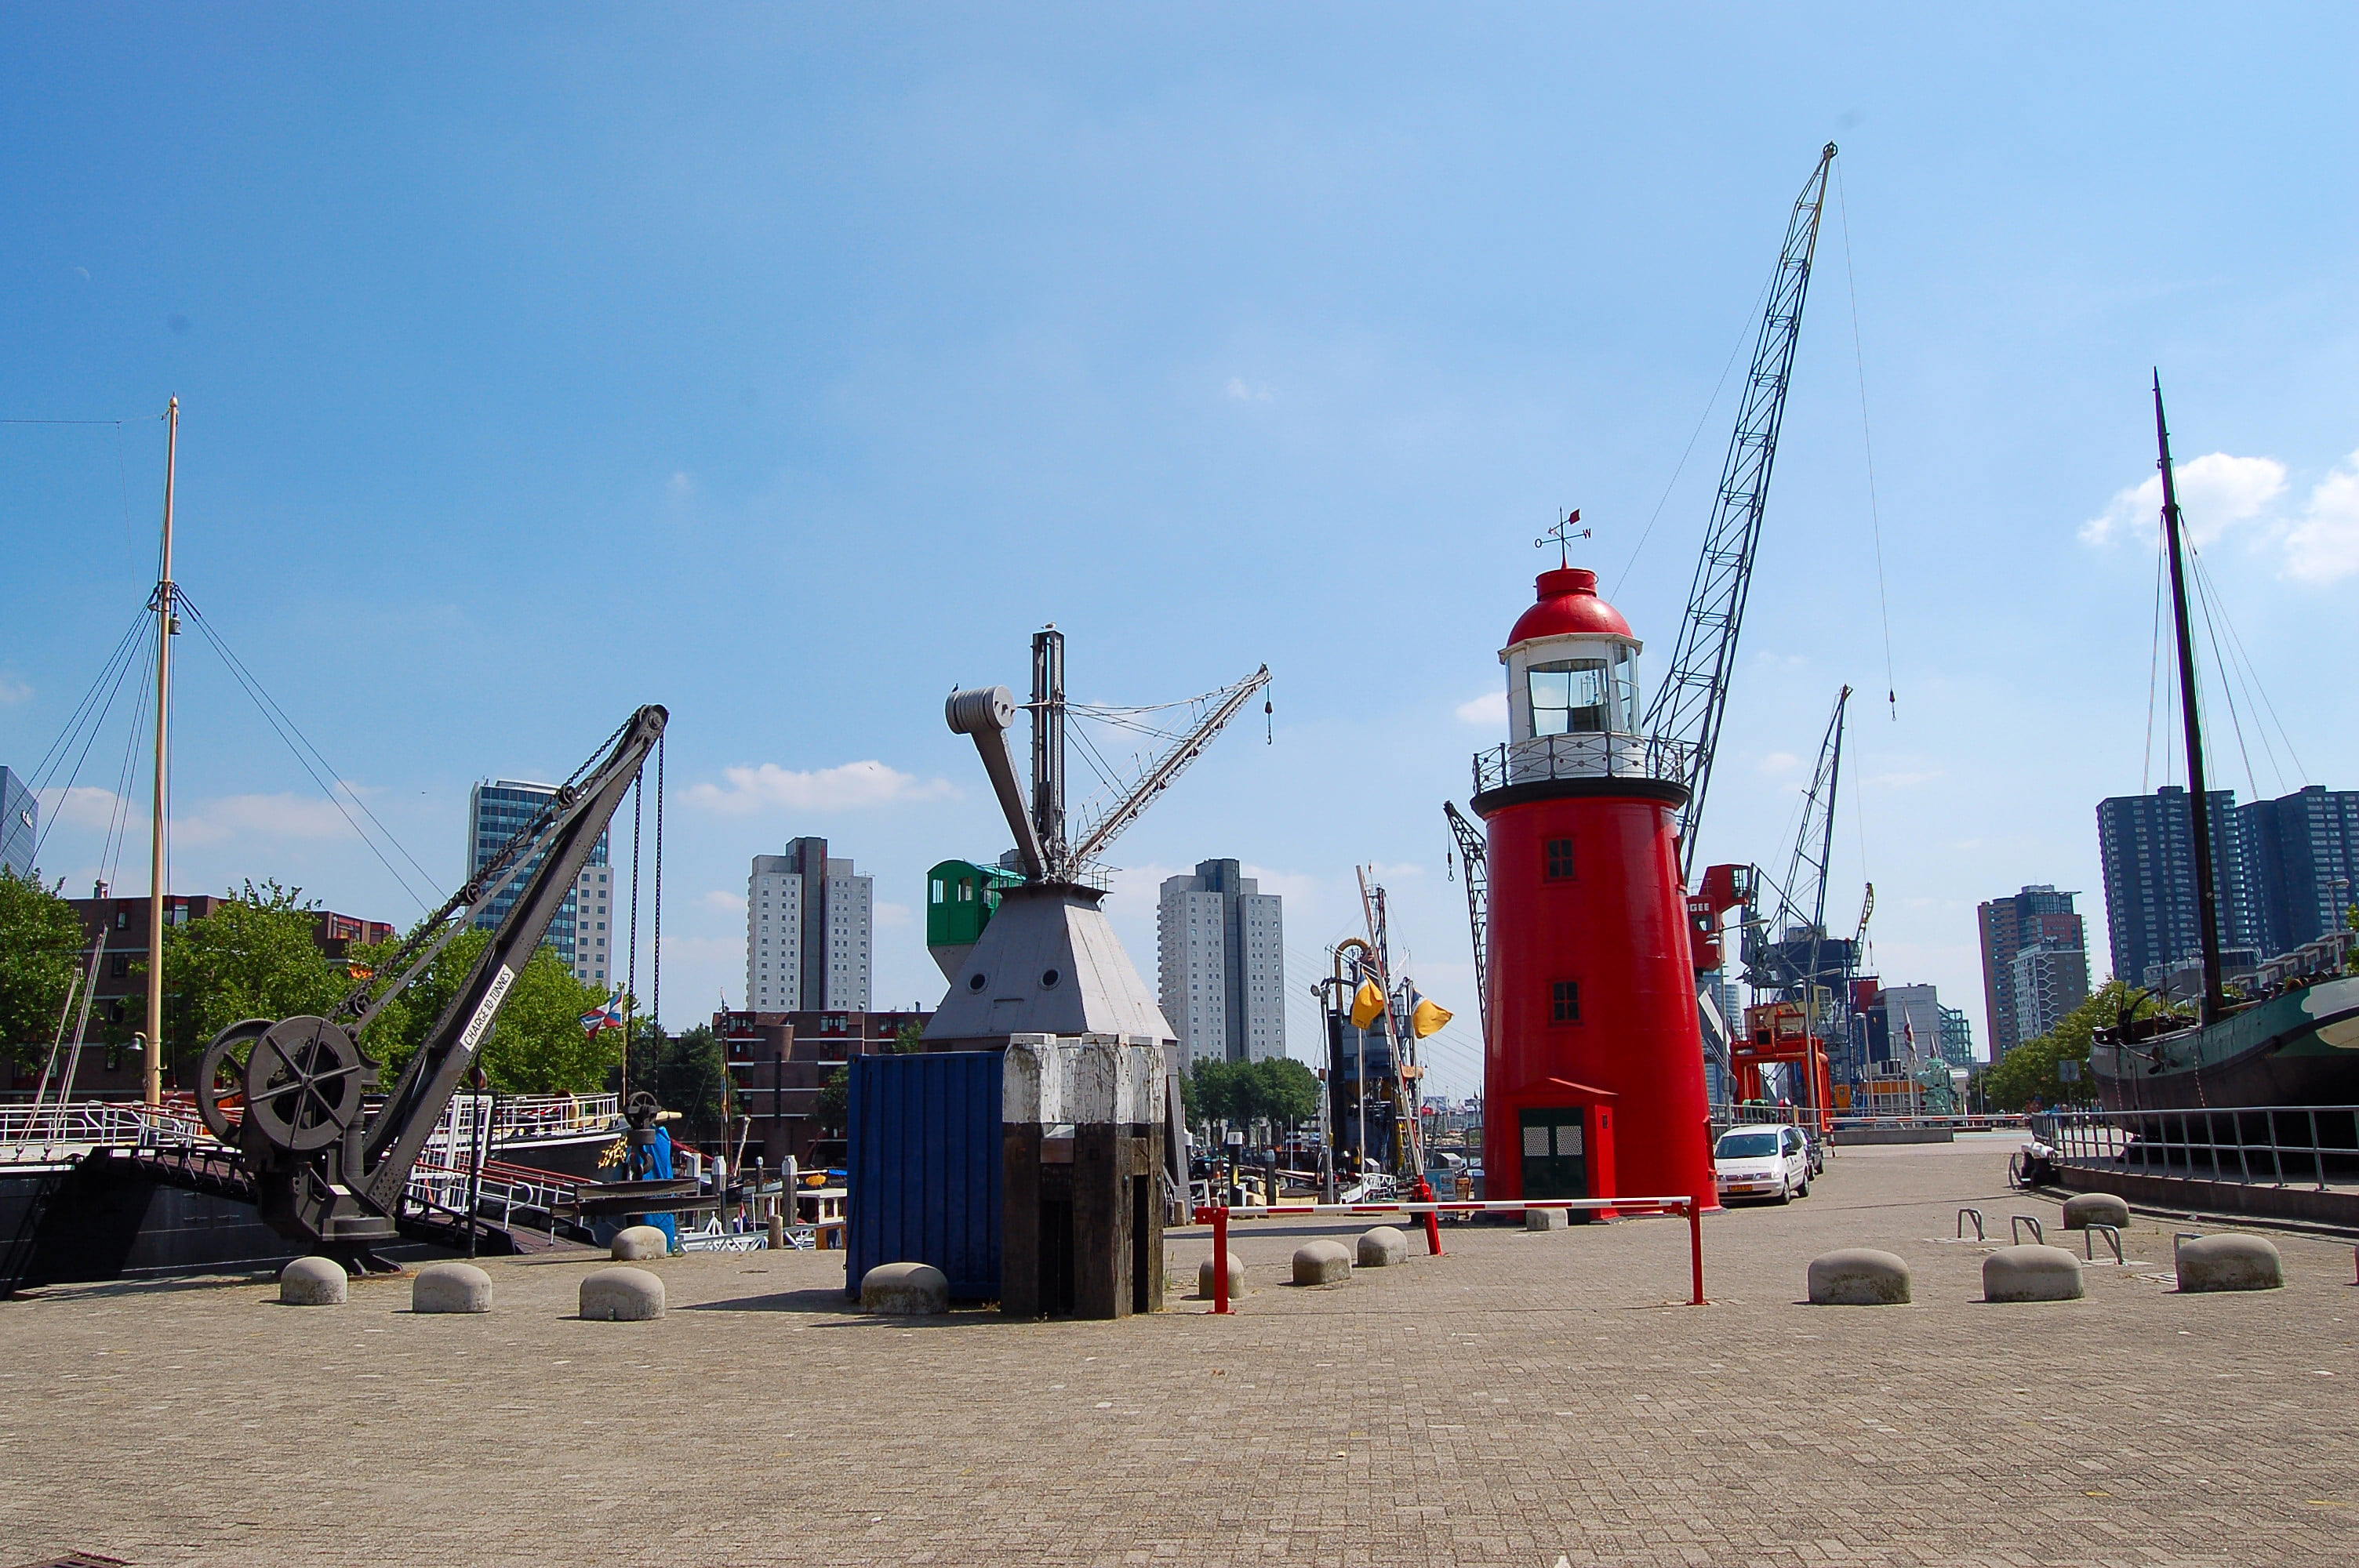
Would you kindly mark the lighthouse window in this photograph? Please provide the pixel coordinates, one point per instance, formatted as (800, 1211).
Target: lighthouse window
(1565, 1003)
(1569, 697)
(1560, 859)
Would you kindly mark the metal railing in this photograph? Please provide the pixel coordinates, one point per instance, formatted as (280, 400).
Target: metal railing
(1546, 759)
(2269, 1145)
(75, 1127)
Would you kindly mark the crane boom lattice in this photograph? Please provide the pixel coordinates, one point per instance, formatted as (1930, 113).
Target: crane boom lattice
(1689, 704)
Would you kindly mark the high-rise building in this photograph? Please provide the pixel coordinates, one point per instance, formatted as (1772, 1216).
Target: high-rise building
(2304, 852)
(2037, 916)
(21, 823)
(583, 932)
(1220, 942)
(810, 924)
(2050, 979)
(2148, 845)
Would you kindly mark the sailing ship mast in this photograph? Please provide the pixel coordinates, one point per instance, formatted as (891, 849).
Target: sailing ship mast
(2207, 910)
(166, 624)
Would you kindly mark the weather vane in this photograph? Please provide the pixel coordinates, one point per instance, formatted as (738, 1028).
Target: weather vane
(1561, 537)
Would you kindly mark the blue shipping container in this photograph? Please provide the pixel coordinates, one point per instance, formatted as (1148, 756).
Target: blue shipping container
(925, 1167)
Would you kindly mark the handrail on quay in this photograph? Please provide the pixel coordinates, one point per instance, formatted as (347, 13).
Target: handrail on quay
(2266, 1145)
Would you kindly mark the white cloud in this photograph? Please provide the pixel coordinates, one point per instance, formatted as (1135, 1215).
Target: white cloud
(261, 817)
(848, 787)
(890, 915)
(84, 806)
(12, 690)
(679, 487)
(724, 900)
(1490, 710)
(2323, 547)
(2216, 492)
(1779, 762)
(1238, 392)
(1903, 779)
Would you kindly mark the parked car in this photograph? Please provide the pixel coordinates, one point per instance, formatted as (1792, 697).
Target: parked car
(1762, 1161)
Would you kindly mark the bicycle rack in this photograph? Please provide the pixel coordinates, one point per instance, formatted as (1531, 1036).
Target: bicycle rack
(1977, 1215)
(2037, 1235)
(2179, 1235)
(2113, 1235)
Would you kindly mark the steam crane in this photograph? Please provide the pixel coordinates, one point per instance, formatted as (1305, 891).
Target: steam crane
(1790, 956)
(330, 1174)
(1690, 703)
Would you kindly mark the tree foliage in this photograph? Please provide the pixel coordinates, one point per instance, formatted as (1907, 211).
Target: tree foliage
(1279, 1089)
(537, 1044)
(254, 957)
(40, 946)
(2028, 1073)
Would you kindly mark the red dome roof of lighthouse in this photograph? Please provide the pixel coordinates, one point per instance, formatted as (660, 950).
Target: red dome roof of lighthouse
(1568, 607)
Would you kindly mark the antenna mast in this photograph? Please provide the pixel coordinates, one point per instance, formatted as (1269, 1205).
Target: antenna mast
(166, 624)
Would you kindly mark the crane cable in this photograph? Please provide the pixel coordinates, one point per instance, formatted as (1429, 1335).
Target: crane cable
(1867, 446)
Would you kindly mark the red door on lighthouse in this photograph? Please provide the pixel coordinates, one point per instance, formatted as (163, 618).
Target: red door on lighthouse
(1594, 1070)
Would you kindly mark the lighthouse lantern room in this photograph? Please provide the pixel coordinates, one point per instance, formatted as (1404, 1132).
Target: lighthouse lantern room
(1594, 1069)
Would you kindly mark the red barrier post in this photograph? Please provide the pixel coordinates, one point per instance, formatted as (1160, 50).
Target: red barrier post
(1695, 1249)
(1221, 1260)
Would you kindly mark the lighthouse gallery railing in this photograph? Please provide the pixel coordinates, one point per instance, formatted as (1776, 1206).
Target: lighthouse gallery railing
(1546, 759)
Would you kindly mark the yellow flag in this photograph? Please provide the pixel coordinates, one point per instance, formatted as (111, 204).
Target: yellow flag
(1367, 1004)
(1427, 1018)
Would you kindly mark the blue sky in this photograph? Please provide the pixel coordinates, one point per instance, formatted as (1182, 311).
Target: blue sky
(788, 365)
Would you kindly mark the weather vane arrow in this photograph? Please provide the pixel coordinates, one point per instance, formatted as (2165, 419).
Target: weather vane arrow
(1561, 537)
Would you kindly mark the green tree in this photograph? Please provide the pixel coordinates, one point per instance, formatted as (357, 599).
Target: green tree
(2029, 1073)
(1287, 1091)
(41, 948)
(692, 1077)
(537, 1044)
(254, 957)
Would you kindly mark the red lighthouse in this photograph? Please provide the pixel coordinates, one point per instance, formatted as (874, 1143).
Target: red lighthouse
(1593, 1074)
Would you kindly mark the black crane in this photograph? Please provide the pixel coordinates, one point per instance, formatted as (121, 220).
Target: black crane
(328, 1173)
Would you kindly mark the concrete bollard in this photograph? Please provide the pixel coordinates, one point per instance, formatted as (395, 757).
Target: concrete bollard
(1545, 1219)
(1321, 1263)
(622, 1295)
(2230, 1263)
(1858, 1276)
(635, 1243)
(905, 1290)
(1381, 1248)
(1204, 1281)
(2084, 1209)
(450, 1287)
(777, 1226)
(312, 1281)
(2031, 1273)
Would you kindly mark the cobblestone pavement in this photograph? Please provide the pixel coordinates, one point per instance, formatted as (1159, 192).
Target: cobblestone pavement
(1527, 1400)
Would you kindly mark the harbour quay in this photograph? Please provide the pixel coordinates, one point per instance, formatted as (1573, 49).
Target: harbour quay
(1530, 1397)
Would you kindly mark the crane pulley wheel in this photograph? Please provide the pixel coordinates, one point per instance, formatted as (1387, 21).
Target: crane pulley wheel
(221, 1079)
(303, 1083)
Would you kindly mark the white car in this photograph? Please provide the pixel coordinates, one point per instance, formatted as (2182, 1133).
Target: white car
(1762, 1161)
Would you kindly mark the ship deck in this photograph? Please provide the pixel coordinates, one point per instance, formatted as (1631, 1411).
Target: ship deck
(1529, 1399)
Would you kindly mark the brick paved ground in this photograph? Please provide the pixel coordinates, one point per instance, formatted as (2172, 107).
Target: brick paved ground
(1527, 1400)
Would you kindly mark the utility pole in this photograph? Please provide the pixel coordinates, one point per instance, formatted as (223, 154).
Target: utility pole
(166, 624)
